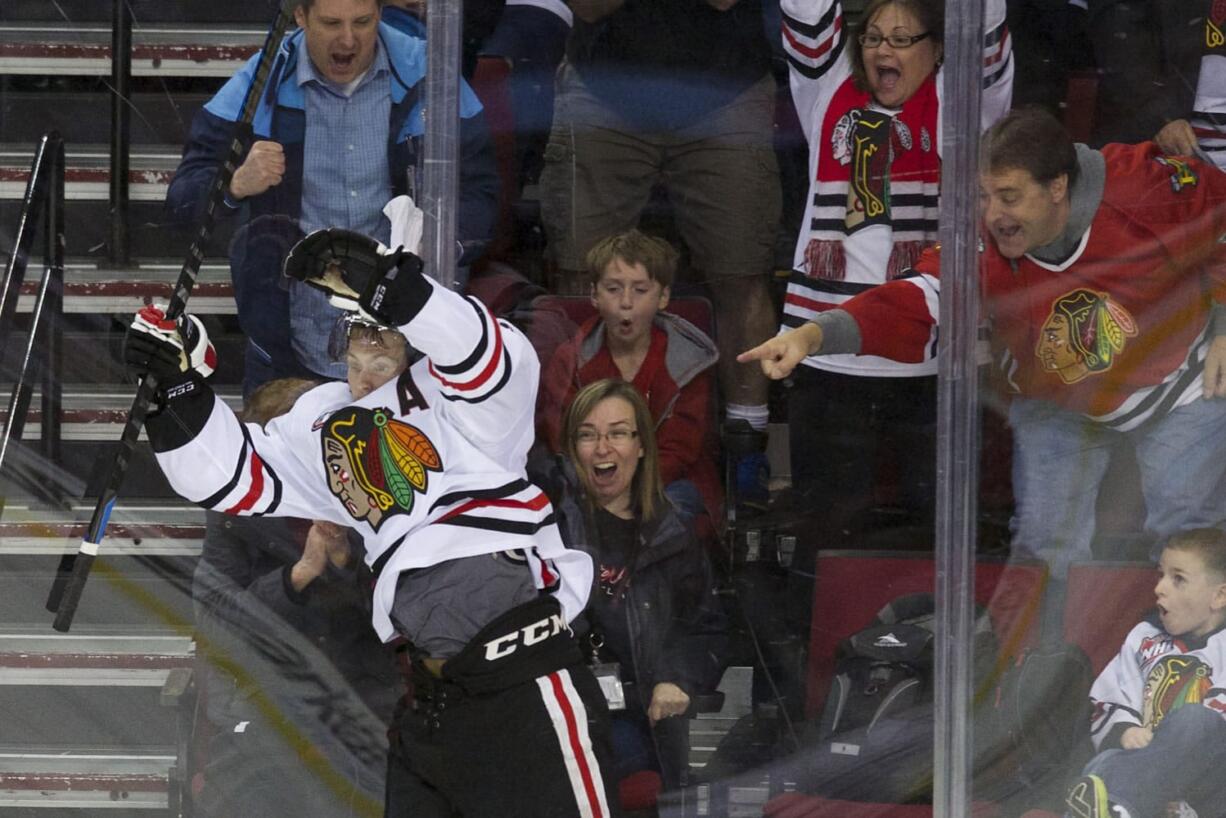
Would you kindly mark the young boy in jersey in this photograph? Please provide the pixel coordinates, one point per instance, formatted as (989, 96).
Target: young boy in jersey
(428, 468)
(668, 359)
(1160, 706)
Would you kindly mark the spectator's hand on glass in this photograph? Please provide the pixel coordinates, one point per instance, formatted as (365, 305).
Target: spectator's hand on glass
(263, 168)
(1134, 738)
(667, 700)
(780, 355)
(1177, 138)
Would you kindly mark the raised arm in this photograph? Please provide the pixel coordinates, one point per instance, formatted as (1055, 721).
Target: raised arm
(815, 40)
(484, 367)
(207, 455)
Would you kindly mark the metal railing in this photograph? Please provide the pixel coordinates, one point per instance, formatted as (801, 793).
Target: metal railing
(42, 356)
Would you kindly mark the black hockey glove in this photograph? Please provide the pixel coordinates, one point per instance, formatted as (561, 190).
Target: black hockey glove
(168, 349)
(360, 274)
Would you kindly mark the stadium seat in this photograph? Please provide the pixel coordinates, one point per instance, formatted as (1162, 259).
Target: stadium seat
(1103, 602)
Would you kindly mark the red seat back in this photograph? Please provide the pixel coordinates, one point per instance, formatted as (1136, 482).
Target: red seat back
(797, 805)
(851, 586)
(1103, 602)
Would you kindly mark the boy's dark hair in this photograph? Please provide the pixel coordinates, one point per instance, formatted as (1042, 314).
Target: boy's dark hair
(1207, 543)
(929, 13)
(1033, 140)
(634, 247)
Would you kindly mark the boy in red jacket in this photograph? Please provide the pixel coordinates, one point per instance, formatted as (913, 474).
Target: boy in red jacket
(667, 358)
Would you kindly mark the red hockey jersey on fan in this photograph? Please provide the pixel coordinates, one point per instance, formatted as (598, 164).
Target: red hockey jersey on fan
(1118, 331)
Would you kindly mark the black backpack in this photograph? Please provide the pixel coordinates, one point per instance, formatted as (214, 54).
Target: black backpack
(1032, 729)
(874, 738)
(885, 670)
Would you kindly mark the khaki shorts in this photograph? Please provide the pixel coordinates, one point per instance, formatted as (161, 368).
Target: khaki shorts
(720, 174)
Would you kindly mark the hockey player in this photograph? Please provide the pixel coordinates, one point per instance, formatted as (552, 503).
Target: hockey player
(1103, 281)
(429, 468)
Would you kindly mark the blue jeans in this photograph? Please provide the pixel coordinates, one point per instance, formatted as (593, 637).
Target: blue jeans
(1181, 763)
(1060, 459)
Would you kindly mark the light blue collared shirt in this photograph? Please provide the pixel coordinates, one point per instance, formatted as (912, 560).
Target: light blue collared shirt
(345, 183)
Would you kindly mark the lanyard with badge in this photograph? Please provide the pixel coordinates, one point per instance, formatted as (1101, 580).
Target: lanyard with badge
(608, 674)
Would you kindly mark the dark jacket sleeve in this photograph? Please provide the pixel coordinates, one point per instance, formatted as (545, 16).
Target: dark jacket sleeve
(207, 144)
(479, 188)
(695, 651)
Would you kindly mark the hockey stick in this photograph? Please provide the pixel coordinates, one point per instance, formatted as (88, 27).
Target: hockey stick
(74, 569)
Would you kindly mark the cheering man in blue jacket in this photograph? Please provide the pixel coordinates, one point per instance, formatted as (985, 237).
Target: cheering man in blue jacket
(337, 134)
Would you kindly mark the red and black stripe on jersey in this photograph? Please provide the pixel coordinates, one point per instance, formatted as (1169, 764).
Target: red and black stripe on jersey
(518, 507)
(485, 370)
(812, 48)
(261, 478)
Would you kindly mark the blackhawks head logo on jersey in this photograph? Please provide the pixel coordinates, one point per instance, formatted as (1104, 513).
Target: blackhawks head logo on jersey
(1173, 682)
(1083, 334)
(376, 464)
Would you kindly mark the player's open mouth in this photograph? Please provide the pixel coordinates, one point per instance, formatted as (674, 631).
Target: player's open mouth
(1008, 232)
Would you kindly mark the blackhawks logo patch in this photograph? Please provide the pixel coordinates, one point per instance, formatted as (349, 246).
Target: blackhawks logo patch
(1213, 25)
(376, 465)
(1174, 682)
(1083, 334)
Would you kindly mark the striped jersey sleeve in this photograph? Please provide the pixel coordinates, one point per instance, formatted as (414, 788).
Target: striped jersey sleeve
(814, 34)
(997, 65)
(815, 42)
(485, 369)
(239, 469)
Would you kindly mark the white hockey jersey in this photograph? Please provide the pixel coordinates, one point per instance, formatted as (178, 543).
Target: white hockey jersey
(1156, 673)
(429, 467)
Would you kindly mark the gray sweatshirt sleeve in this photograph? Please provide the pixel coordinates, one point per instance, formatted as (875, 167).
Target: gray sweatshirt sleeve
(840, 333)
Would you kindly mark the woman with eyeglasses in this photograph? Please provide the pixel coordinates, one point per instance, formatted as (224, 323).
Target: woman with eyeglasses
(655, 633)
(869, 101)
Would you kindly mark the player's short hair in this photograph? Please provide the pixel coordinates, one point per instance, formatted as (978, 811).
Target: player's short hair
(1207, 543)
(646, 489)
(275, 398)
(633, 247)
(1033, 140)
(929, 13)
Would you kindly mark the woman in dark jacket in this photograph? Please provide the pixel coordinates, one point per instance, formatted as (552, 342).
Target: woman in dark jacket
(654, 620)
